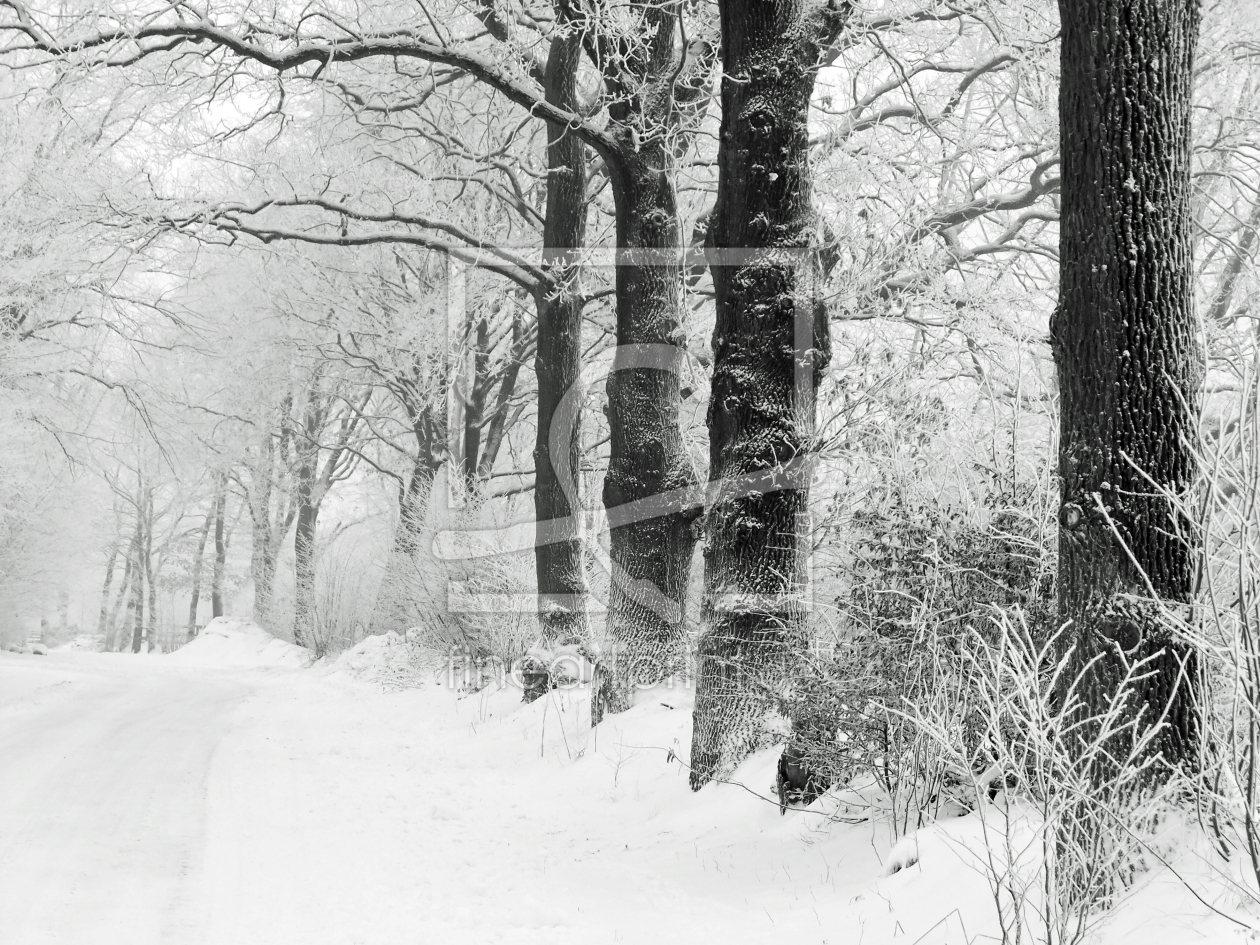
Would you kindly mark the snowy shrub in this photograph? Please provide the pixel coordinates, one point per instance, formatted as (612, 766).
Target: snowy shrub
(936, 502)
(344, 589)
(1222, 516)
(1068, 807)
(921, 575)
(478, 609)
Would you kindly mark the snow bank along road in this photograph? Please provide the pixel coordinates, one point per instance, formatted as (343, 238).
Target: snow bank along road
(143, 801)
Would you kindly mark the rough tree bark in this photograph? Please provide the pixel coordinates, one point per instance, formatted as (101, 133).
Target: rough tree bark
(648, 462)
(769, 343)
(304, 567)
(651, 490)
(475, 407)
(262, 569)
(1126, 347)
(558, 558)
(309, 497)
(268, 536)
(396, 598)
(272, 505)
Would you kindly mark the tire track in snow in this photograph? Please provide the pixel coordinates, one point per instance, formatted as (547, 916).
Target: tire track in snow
(103, 797)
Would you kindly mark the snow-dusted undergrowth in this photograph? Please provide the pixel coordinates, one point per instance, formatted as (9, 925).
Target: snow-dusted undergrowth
(315, 808)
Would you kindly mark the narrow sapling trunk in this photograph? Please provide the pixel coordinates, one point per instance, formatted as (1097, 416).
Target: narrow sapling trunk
(198, 558)
(220, 550)
(1127, 351)
(135, 607)
(103, 623)
(769, 343)
(124, 594)
(151, 627)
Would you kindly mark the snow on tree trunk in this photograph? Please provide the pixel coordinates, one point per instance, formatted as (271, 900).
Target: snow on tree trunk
(395, 598)
(220, 549)
(769, 343)
(124, 594)
(262, 569)
(650, 487)
(103, 622)
(559, 560)
(198, 559)
(135, 607)
(150, 633)
(304, 573)
(1126, 344)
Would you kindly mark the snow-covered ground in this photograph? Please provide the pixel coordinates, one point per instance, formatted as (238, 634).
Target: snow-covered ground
(211, 796)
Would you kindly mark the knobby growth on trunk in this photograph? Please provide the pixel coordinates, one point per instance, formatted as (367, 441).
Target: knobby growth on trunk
(657, 92)
(1126, 348)
(769, 343)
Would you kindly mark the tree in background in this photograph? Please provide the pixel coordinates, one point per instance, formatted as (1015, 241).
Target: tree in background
(652, 72)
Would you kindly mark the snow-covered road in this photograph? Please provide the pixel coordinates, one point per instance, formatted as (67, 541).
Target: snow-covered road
(104, 774)
(145, 801)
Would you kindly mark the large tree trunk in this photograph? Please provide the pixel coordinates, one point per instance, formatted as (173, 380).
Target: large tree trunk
(413, 505)
(198, 558)
(769, 342)
(267, 533)
(559, 562)
(1126, 347)
(262, 569)
(651, 489)
(220, 550)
